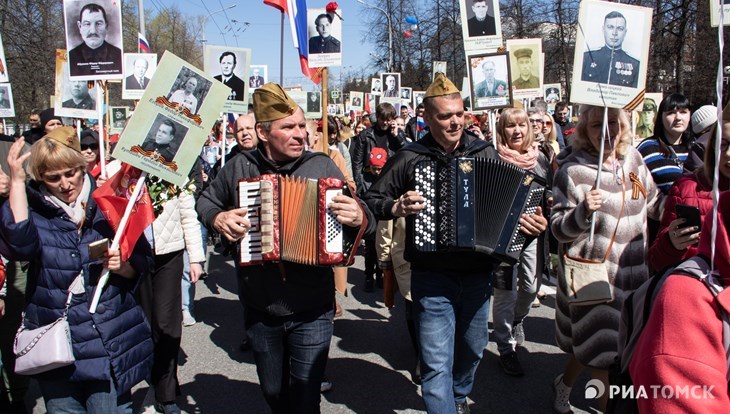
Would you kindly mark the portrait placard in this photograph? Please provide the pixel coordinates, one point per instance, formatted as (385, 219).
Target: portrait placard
(405, 94)
(607, 70)
(646, 114)
(119, 119)
(259, 77)
(526, 63)
(552, 93)
(73, 98)
(715, 12)
(481, 25)
(418, 98)
(490, 81)
(391, 87)
(4, 76)
(376, 86)
(172, 120)
(324, 37)
(230, 66)
(94, 38)
(7, 108)
(372, 102)
(138, 71)
(438, 66)
(357, 100)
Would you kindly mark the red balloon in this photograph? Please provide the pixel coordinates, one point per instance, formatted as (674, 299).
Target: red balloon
(407, 34)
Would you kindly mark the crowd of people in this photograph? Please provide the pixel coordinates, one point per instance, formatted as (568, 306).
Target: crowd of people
(632, 223)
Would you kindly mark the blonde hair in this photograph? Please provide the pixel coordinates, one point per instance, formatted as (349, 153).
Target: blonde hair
(47, 154)
(514, 115)
(582, 141)
(553, 135)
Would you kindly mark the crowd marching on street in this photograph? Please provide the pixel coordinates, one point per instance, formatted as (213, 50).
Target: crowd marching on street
(467, 216)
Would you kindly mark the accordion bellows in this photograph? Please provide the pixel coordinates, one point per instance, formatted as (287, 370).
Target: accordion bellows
(291, 221)
(473, 204)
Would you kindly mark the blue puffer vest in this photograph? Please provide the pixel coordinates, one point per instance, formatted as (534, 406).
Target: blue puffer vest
(114, 343)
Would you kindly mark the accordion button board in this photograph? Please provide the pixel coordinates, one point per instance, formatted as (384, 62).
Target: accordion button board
(473, 204)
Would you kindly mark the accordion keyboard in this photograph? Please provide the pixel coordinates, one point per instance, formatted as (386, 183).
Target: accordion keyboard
(250, 197)
(425, 220)
(533, 202)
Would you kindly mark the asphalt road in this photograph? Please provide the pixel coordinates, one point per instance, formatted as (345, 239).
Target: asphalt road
(370, 359)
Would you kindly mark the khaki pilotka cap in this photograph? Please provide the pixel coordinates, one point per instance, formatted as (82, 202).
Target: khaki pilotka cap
(523, 53)
(271, 102)
(441, 86)
(67, 136)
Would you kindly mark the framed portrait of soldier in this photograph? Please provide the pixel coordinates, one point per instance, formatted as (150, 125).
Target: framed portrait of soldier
(646, 114)
(551, 93)
(172, 120)
(490, 82)
(119, 119)
(259, 75)
(480, 24)
(94, 38)
(4, 76)
(313, 107)
(525, 56)
(357, 101)
(418, 97)
(611, 54)
(230, 66)
(376, 86)
(715, 9)
(138, 71)
(73, 98)
(405, 94)
(438, 67)
(7, 109)
(324, 38)
(391, 87)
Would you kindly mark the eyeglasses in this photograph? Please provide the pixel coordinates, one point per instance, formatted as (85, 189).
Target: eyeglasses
(92, 147)
(548, 122)
(536, 120)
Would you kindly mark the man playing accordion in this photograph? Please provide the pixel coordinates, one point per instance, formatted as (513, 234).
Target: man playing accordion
(289, 306)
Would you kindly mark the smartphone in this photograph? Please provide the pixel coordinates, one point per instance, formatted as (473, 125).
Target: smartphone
(690, 214)
(98, 249)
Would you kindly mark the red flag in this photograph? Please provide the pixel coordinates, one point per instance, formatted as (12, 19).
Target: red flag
(112, 199)
(279, 4)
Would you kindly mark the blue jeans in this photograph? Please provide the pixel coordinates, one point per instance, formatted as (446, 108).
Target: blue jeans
(186, 285)
(451, 311)
(291, 356)
(66, 397)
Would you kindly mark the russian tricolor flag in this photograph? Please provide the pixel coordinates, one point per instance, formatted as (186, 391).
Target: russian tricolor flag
(297, 12)
(144, 47)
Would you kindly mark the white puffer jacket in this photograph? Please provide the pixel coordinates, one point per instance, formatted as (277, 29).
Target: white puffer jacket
(177, 227)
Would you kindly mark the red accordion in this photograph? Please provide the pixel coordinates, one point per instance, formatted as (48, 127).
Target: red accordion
(291, 221)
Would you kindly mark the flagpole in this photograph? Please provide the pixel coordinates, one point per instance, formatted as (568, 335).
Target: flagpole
(224, 136)
(138, 187)
(100, 120)
(325, 135)
(140, 9)
(281, 52)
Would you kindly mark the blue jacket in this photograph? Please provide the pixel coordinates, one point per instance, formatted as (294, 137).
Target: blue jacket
(116, 341)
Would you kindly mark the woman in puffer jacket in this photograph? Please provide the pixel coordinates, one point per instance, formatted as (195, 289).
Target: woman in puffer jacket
(675, 242)
(50, 223)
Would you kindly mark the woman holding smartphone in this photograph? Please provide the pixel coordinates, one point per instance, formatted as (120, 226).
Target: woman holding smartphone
(675, 240)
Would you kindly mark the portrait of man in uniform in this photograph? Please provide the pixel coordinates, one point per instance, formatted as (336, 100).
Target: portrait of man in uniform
(161, 140)
(324, 42)
(95, 55)
(481, 24)
(313, 102)
(228, 62)
(611, 64)
(256, 80)
(376, 86)
(490, 86)
(4, 101)
(391, 85)
(526, 79)
(80, 97)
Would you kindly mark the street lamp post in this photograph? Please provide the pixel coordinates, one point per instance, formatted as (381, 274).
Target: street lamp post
(390, 31)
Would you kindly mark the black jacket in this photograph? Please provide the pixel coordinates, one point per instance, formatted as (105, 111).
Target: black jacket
(397, 177)
(365, 142)
(264, 287)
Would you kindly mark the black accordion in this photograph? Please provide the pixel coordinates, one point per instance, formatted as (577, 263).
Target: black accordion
(473, 204)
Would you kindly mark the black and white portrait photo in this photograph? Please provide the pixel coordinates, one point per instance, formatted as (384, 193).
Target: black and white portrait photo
(356, 100)
(324, 38)
(230, 66)
(138, 71)
(490, 81)
(259, 76)
(418, 98)
(480, 23)
(612, 48)
(7, 109)
(552, 92)
(438, 67)
(391, 87)
(79, 96)
(405, 93)
(94, 38)
(376, 86)
(189, 90)
(119, 118)
(164, 138)
(73, 98)
(314, 103)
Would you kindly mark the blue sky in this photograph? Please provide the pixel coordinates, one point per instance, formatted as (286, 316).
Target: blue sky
(263, 34)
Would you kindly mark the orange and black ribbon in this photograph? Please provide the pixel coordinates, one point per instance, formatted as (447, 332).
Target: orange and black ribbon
(636, 187)
(179, 108)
